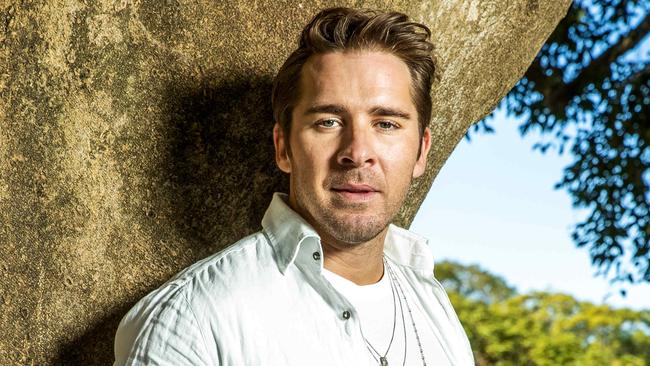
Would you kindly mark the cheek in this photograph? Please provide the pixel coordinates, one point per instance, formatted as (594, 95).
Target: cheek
(398, 167)
(399, 174)
(401, 155)
(315, 150)
(309, 164)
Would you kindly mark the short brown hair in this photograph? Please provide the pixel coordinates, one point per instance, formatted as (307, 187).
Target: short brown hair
(340, 29)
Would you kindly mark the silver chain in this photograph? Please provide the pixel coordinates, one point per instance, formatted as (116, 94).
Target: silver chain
(382, 359)
(396, 288)
(394, 278)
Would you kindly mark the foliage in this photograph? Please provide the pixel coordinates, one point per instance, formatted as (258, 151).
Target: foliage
(473, 283)
(589, 89)
(542, 329)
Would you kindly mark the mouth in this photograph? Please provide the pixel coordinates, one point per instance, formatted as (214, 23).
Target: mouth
(355, 192)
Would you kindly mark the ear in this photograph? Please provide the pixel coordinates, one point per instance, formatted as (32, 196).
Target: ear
(281, 152)
(425, 146)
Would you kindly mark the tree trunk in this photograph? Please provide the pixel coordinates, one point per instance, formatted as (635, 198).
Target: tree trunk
(135, 139)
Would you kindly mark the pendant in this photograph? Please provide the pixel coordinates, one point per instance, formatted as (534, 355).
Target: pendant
(383, 361)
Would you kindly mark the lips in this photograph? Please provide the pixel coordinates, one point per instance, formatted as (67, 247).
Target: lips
(357, 193)
(354, 188)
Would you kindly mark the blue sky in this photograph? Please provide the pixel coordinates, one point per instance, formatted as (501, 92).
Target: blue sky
(493, 204)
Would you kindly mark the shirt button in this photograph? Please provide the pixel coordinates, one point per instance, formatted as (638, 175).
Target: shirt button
(316, 256)
(346, 315)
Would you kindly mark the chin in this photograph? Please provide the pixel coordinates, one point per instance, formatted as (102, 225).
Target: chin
(355, 228)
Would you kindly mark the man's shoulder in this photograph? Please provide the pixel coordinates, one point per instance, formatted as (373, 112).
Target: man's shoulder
(250, 255)
(189, 298)
(215, 278)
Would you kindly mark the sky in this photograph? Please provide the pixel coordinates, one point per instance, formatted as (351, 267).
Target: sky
(493, 204)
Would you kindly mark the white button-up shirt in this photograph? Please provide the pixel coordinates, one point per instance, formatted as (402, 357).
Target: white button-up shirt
(264, 301)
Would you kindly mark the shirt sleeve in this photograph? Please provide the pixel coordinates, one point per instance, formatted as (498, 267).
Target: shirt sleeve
(161, 330)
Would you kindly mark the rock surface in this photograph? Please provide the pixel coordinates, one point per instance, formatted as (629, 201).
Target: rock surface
(135, 139)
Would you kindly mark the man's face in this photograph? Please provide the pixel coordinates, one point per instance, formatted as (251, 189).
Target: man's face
(353, 144)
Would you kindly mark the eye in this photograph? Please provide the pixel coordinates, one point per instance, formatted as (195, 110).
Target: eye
(328, 123)
(387, 125)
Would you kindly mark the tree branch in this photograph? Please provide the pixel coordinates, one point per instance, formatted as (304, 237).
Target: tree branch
(635, 77)
(598, 69)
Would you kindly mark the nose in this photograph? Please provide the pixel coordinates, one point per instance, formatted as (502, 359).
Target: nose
(357, 148)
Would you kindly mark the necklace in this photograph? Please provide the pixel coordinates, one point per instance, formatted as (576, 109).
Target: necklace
(382, 360)
(396, 288)
(394, 278)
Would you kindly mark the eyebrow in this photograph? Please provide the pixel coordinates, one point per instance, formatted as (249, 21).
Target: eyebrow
(389, 112)
(325, 108)
(375, 111)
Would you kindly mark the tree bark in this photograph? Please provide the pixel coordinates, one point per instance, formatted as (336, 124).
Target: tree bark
(135, 139)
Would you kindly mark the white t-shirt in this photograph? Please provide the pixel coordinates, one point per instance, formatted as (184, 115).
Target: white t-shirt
(376, 307)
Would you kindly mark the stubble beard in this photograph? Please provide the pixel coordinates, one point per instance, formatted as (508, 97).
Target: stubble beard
(349, 223)
(352, 229)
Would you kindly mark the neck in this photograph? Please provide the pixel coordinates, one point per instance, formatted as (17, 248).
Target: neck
(361, 263)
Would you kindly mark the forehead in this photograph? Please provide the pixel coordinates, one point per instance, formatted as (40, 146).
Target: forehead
(355, 77)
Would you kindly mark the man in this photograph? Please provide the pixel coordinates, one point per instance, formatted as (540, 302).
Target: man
(328, 281)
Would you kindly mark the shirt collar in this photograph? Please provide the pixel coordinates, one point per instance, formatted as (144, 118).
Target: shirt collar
(294, 239)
